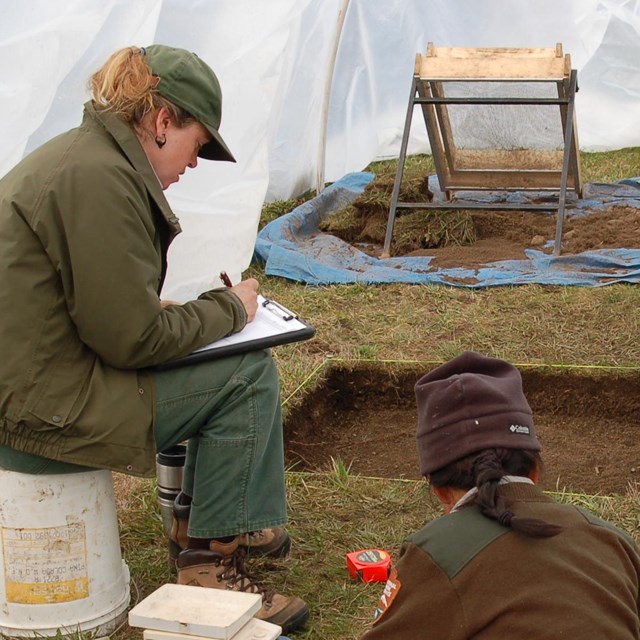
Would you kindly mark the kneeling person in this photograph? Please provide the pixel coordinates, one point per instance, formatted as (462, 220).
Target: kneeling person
(507, 561)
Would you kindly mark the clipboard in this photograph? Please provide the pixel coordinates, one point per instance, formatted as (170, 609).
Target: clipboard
(273, 325)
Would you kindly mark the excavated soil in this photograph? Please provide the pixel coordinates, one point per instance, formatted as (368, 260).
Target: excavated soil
(471, 238)
(587, 420)
(506, 235)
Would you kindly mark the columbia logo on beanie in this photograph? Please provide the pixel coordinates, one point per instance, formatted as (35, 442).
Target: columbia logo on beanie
(519, 428)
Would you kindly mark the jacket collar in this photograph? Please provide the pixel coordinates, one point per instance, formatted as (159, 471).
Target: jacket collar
(471, 494)
(128, 142)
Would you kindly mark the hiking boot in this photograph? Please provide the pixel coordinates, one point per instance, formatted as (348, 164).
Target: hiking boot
(264, 542)
(221, 566)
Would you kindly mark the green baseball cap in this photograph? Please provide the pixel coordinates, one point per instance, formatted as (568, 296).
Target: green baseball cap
(191, 84)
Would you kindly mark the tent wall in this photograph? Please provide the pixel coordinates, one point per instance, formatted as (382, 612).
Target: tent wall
(273, 62)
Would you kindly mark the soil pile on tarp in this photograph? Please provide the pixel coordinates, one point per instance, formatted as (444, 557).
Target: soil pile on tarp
(467, 238)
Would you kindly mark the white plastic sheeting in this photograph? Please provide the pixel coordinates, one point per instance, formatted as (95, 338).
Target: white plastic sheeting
(276, 62)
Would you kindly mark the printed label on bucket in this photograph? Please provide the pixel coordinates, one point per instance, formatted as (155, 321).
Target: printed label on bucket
(45, 565)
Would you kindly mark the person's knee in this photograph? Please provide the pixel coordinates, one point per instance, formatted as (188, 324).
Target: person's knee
(262, 366)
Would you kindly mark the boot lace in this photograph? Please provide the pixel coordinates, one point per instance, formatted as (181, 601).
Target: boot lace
(239, 578)
(256, 535)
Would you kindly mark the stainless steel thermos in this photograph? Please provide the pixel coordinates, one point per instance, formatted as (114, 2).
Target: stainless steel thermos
(169, 466)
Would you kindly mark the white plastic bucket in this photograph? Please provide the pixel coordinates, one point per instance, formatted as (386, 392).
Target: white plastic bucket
(60, 568)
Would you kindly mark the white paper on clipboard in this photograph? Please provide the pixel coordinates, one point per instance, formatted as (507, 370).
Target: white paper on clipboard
(272, 325)
(272, 319)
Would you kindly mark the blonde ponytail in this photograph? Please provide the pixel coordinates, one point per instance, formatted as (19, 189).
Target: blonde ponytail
(125, 85)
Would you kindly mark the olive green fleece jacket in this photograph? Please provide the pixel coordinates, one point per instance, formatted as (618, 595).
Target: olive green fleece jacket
(464, 576)
(84, 232)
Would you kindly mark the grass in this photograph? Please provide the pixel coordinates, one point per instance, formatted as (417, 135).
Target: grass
(531, 324)
(335, 512)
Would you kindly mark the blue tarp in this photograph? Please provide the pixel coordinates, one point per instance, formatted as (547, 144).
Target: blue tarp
(293, 247)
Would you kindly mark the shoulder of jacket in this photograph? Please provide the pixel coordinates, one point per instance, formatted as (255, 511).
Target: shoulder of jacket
(86, 149)
(455, 539)
(76, 161)
(599, 522)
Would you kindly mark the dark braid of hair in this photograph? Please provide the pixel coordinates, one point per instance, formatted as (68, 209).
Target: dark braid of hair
(487, 471)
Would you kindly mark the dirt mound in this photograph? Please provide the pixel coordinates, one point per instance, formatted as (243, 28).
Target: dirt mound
(469, 238)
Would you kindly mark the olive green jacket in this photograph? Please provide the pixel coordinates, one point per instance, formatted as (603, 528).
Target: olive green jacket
(84, 232)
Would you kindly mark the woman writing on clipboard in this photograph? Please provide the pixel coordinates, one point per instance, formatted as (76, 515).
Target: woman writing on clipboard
(84, 232)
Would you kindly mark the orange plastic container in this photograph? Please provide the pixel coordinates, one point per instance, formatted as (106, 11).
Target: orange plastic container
(369, 565)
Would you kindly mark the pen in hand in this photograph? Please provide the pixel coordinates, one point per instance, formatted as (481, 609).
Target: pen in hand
(247, 291)
(225, 279)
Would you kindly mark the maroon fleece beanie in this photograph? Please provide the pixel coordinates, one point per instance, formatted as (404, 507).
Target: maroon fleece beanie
(471, 403)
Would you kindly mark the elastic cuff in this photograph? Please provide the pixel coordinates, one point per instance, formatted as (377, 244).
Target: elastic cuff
(240, 315)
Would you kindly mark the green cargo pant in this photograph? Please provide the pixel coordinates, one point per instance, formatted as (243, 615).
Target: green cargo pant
(228, 411)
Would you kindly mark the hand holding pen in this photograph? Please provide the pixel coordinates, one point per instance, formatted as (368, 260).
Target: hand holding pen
(247, 291)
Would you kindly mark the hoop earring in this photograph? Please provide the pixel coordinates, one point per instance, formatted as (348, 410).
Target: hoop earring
(161, 141)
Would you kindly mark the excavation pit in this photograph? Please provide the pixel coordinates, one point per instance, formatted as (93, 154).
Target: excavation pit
(588, 420)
